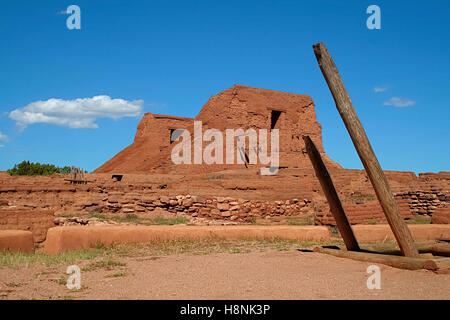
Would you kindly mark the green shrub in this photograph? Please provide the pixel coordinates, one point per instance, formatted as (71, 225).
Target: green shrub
(27, 168)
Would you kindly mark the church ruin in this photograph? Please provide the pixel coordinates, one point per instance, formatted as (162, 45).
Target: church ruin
(238, 107)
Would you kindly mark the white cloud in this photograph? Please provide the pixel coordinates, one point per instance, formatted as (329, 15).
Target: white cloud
(380, 89)
(399, 102)
(78, 113)
(3, 137)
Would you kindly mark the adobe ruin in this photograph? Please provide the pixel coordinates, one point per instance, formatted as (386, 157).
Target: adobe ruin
(238, 107)
(150, 183)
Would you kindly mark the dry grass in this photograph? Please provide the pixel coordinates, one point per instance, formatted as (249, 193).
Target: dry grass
(419, 219)
(24, 260)
(132, 218)
(105, 257)
(301, 221)
(117, 275)
(107, 264)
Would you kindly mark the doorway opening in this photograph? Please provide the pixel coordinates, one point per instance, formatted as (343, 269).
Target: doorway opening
(174, 134)
(274, 117)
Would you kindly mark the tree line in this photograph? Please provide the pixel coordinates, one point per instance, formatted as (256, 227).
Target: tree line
(27, 168)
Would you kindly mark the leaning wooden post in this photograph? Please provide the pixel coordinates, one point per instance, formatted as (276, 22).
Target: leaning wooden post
(365, 152)
(332, 197)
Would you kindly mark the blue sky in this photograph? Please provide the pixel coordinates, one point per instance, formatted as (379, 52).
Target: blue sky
(169, 57)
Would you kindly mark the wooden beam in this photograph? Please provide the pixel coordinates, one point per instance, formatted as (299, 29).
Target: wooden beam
(400, 262)
(441, 249)
(438, 249)
(441, 264)
(332, 197)
(365, 151)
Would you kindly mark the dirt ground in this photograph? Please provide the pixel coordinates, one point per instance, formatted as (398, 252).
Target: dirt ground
(267, 274)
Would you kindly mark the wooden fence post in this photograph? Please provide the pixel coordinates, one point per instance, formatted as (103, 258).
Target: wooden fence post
(332, 197)
(365, 151)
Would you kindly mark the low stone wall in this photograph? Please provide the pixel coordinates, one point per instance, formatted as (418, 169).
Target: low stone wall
(425, 203)
(223, 208)
(16, 241)
(292, 192)
(71, 238)
(36, 221)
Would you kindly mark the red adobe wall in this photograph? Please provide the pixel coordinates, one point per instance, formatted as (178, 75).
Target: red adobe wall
(36, 221)
(151, 140)
(363, 213)
(441, 215)
(16, 241)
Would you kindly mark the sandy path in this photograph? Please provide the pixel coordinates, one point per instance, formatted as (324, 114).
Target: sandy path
(256, 275)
